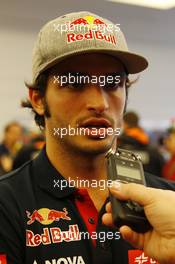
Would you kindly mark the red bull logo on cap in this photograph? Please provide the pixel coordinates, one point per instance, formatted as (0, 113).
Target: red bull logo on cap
(88, 21)
(47, 216)
(94, 28)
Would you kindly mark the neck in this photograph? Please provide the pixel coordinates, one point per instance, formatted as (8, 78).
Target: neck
(76, 166)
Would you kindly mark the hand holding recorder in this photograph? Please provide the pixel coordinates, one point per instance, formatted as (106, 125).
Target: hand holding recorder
(125, 166)
(159, 208)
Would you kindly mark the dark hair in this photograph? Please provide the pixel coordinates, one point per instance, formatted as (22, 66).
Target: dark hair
(41, 85)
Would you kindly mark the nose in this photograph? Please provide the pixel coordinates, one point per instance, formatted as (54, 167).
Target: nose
(97, 99)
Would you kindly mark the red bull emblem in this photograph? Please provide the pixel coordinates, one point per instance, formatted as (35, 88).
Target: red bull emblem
(46, 216)
(57, 215)
(94, 29)
(88, 21)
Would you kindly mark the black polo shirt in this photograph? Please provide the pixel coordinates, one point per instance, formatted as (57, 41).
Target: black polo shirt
(40, 223)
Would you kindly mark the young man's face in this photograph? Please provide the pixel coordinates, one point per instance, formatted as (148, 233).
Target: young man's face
(85, 106)
(13, 134)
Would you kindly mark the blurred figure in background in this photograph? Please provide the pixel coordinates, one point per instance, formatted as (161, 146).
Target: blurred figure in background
(135, 138)
(162, 148)
(29, 151)
(9, 146)
(169, 168)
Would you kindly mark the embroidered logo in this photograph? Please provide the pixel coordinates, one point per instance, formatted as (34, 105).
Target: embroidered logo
(47, 216)
(139, 257)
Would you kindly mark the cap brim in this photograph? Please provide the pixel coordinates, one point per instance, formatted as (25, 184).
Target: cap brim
(133, 62)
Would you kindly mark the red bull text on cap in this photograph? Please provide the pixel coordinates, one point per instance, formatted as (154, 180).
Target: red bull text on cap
(84, 32)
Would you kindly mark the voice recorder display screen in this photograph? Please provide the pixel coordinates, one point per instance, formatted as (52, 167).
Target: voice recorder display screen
(129, 172)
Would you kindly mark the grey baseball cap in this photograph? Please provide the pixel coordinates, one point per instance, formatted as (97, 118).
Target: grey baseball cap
(79, 33)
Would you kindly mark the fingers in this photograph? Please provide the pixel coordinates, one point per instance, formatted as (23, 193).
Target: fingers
(107, 219)
(135, 239)
(108, 208)
(136, 192)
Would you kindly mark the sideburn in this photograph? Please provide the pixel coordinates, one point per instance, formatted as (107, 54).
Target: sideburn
(47, 113)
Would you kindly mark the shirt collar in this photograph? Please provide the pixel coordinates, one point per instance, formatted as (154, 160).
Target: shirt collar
(48, 178)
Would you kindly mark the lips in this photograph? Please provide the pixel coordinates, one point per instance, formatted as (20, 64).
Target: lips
(96, 122)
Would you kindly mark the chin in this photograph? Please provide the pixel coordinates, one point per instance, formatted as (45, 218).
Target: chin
(95, 147)
(87, 146)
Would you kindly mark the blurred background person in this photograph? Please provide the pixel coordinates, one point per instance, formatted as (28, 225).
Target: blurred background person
(9, 146)
(169, 167)
(136, 139)
(162, 148)
(29, 151)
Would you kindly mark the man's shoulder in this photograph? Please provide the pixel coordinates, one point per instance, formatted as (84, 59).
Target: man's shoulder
(16, 180)
(158, 182)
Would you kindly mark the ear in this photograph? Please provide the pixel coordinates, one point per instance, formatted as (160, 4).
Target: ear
(36, 101)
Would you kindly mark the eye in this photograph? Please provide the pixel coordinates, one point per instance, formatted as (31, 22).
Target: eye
(114, 81)
(74, 85)
(111, 86)
(73, 80)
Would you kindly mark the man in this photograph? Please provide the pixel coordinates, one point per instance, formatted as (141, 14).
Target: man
(78, 96)
(135, 139)
(8, 147)
(169, 168)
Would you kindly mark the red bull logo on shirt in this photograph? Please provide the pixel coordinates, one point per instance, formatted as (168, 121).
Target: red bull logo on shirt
(95, 29)
(47, 216)
(52, 235)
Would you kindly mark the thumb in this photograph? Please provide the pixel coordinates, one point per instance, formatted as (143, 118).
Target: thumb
(132, 191)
